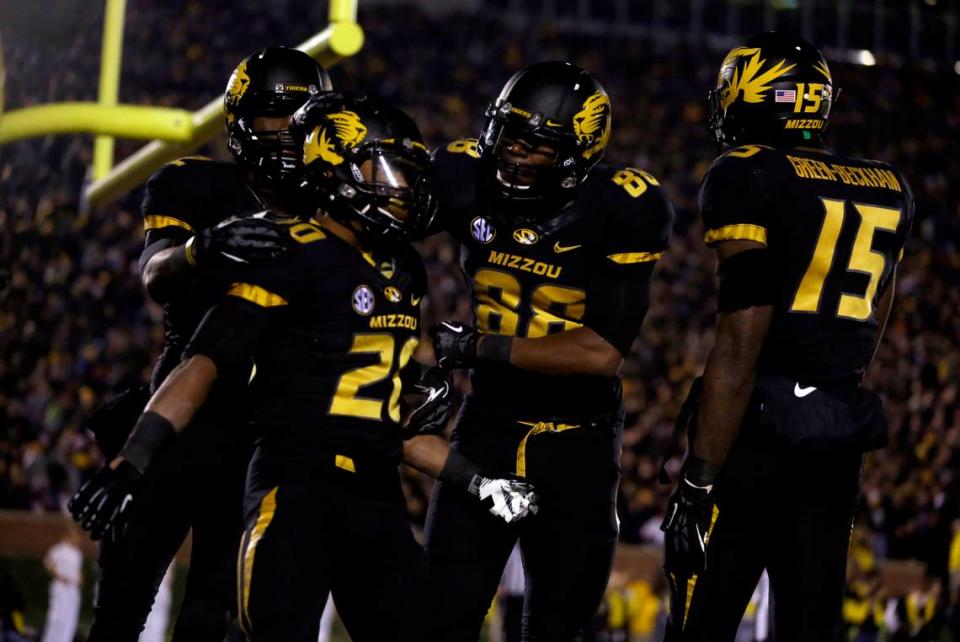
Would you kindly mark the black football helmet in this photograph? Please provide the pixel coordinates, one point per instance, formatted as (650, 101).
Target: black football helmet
(365, 161)
(272, 82)
(773, 88)
(553, 103)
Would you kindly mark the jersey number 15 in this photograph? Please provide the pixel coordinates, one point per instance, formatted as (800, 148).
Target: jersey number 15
(863, 258)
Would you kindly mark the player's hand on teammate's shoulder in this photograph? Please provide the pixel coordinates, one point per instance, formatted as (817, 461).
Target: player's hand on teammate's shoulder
(103, 503)
(455, 344)
(508, 497)
(430, 417)
(240, 240)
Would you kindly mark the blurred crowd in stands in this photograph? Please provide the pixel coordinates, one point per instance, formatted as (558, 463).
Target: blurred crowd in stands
(75, 325)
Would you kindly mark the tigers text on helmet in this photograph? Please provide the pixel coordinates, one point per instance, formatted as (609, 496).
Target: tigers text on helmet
(365, 161)
(555, 104)
(774, 88)
(271, 83)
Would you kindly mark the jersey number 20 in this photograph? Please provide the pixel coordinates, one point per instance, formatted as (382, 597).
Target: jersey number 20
(347, 400)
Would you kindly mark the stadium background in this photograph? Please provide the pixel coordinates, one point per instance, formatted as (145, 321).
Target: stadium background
(75, 326)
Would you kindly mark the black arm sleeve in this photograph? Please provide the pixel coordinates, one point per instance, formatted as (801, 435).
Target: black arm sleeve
(618, 307)
(230, 332)
(638, 224)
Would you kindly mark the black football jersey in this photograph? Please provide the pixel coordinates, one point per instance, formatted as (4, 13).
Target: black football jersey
(530, 277)
(835, 227)
(181, 198)
(330, 329)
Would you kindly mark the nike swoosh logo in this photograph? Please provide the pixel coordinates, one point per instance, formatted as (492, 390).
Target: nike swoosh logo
(802, 392)
(560, 249)
(455, 328)
(415, 301)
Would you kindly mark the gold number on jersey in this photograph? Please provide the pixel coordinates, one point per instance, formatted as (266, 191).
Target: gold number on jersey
(634, 181)
(498, 303)
(306, 233)
(745, 151)
(347, 401)
(863, 258)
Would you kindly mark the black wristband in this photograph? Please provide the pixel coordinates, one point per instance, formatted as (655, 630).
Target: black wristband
(460, 471)
(700, 471)
(150, 432)
(494, 347)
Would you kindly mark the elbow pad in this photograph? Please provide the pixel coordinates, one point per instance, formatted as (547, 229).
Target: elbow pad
(747, 280)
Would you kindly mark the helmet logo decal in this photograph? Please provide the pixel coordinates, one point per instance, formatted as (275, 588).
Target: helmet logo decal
(748, 79)
(236, 87)
(482, 229)
(591, 123)
(347, 128)
(363, 300)
(821, 66)
(393, 294)
(525, 236)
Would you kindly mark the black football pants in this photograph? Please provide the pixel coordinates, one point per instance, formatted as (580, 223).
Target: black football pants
(194, 481)
(788, 512)
(567, 547)
(311, 532)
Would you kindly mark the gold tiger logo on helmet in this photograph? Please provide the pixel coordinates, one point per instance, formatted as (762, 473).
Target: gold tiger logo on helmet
(236, 87)
(747, 80)
(347, 127)
(592, 123)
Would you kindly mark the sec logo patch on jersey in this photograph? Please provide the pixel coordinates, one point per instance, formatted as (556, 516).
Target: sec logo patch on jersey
(482, 229)
(525, 236)
(363, 300)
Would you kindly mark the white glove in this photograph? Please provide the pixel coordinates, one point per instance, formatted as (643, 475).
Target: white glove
(510, 499)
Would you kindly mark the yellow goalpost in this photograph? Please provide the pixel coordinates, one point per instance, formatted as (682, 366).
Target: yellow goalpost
(173, 132)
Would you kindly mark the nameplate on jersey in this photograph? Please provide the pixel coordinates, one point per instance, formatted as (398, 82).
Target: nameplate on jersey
(811, 168)
(524, 264)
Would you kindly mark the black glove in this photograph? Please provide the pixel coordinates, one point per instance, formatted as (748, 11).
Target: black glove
(455, 344)
(112, 422)
(430, 417)
(238, 240)
(687, 526)
(510, 498)
(103, 502)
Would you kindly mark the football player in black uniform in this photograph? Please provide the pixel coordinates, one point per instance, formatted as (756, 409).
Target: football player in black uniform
(558, 255)
(193, 241)
(808, 243)
(332, 325)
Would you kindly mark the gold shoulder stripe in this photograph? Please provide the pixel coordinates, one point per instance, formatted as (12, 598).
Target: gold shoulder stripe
(739, 232)
(635, 257)
(256, 294)
(900, 255)
(154, 222)
(345, 463)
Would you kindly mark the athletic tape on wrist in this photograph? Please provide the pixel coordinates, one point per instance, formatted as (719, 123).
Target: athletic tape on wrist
(151, 432)
(460, 471)
(495, 347)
